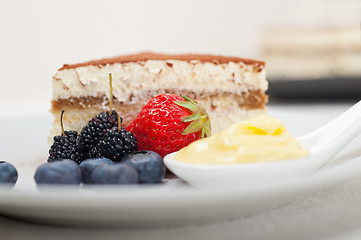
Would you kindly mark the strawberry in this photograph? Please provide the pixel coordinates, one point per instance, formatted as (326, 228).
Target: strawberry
(168, 123)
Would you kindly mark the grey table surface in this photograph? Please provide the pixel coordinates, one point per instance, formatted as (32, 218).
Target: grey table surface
(333, 213)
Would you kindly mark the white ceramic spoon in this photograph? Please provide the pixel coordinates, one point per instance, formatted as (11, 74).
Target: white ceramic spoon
(323, 144)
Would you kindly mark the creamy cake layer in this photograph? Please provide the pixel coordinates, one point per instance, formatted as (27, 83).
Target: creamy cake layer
(132, 79)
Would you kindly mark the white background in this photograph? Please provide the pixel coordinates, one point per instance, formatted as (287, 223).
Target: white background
(38, 37)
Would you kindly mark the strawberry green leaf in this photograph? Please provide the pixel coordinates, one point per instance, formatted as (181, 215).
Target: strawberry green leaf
(208, 128)
(189, 100)
(187, 105)
(203, 132)
(193, 127)
(191, 118)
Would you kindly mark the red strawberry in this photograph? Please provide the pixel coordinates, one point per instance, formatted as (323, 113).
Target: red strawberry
(168, 123)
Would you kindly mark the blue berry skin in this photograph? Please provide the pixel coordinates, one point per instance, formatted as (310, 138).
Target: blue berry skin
(149, 165)
(116, 173)
(89, 165)
(8, 173)
(64, 171)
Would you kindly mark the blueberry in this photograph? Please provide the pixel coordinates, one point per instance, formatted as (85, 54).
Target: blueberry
(8, 173)
(116, 173)
(58, 172)
(88, 166)
(149, 165)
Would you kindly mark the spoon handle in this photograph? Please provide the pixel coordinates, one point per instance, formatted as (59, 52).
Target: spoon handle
(339, 131)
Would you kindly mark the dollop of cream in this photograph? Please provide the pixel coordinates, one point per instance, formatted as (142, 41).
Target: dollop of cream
(261, 139)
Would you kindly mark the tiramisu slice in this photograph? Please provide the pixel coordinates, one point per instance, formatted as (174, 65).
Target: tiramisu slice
(229, 88)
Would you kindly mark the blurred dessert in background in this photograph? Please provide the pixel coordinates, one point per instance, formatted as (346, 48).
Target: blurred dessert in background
(313, 53)
(330, 57)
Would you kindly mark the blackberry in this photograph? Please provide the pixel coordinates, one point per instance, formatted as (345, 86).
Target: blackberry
(64, 146)
(94, 131)
(116, 144)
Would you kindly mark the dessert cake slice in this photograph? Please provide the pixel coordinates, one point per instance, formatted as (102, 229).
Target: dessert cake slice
(229, 88)
(318, 53)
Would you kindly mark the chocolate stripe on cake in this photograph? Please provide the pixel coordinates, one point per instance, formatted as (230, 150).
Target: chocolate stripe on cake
(142, 57)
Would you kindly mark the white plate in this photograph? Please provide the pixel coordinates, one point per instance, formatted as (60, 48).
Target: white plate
(23, 143)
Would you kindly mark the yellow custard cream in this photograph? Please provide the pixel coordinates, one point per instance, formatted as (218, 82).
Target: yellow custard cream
(261, 139)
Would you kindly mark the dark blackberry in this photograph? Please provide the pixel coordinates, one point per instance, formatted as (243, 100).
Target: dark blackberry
(64, 147)
(116, 144)
(94, 131)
